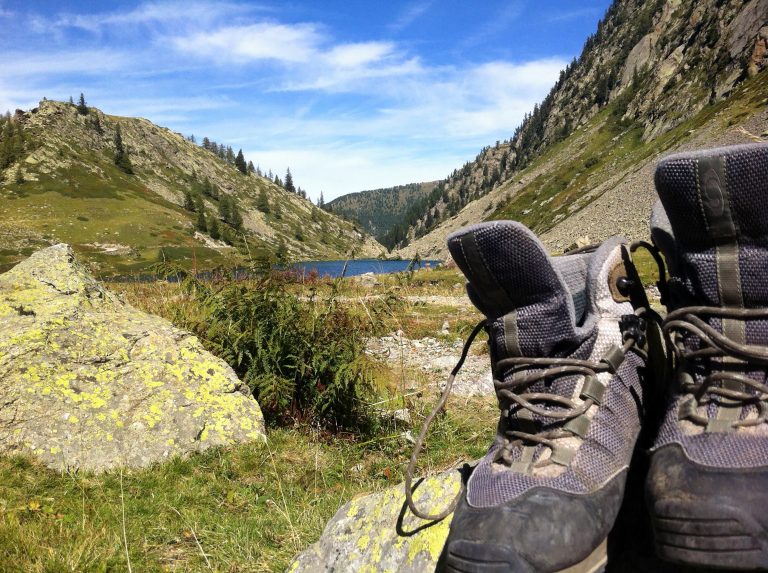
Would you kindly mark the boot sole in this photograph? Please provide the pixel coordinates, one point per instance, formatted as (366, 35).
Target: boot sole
(707, 535)
(473, 561)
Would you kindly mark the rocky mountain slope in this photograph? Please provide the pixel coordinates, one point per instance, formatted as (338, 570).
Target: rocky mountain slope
(63, 185)
(656, 76)
(384, 213)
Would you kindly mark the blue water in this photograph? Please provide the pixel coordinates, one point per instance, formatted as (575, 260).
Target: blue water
(356, 267)
(331, 269)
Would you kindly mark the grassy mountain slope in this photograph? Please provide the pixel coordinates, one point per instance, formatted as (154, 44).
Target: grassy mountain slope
(650, 68)
(379, 211)
(72, 191)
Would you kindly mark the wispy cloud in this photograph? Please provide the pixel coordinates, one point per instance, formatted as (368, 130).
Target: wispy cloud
(262, 41)
(89, 62)
(150, 12)
(311, 59)
(411, 13)
(568, 15)
(496, 23)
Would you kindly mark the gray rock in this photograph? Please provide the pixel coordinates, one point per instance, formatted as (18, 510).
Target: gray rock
(367, 280)
(377, 533)
(89, 382)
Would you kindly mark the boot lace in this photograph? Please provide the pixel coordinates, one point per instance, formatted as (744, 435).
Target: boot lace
(713, 344)
(513, 376)
(510, 397)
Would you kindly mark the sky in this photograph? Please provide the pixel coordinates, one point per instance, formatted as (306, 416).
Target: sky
(350, 94)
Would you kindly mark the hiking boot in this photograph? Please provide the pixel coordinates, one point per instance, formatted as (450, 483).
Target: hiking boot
(707, 488)
(568, 381)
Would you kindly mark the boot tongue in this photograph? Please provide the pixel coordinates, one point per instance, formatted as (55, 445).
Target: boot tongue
(714, 202)
(513, 281)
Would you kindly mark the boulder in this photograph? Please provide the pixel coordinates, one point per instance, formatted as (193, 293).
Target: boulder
(367, 280)
(89, 382)
(377, 533)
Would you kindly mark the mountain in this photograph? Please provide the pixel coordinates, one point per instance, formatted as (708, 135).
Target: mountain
(655, 77)
(61, 182)
(384, 212)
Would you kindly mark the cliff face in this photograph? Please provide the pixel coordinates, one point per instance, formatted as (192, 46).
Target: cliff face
(72, 191)
(649, 68)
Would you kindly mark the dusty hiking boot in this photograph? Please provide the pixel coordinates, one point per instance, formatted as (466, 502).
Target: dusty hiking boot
(568, 380)
(707, 488)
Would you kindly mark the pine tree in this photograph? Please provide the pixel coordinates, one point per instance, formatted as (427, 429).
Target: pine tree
(230, 156)
(189, 203)
(82, 109)
(321, 201)
(213, 228)
(235, 218)
(240, 163)
(224, 207)
(227, 235)
(71, 101)
(263, 202)
(19, 177)
(122, 160)
(251, 168)
(289, 182)
(282, 252)
(201, 225)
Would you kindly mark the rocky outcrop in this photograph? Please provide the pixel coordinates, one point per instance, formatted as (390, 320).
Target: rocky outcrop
(89, 382)
(378, 533)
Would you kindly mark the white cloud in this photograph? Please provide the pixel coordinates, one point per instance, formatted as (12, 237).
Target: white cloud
(262, 41)
(410, 15)
(357, 55)
(568, 15)
(91, 62)
(166, 13)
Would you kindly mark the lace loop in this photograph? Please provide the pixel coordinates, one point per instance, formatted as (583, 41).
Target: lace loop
(714, 344)
(423, 434)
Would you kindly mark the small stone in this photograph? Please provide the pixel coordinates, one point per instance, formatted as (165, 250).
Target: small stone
(402, 415)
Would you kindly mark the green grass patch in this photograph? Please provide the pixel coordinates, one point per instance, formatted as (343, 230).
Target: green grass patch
(249, 508)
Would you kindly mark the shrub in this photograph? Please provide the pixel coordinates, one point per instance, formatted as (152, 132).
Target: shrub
(302, 357)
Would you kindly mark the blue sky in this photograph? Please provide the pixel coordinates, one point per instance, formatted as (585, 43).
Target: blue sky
(350, 95)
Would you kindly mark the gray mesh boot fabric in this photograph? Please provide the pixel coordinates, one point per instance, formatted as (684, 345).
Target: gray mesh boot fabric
(547, 493)
(707, 488)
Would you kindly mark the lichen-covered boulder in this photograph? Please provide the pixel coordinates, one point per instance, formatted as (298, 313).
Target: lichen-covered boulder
(89, 382)
(377, 533)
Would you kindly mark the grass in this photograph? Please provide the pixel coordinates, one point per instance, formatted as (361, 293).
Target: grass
(249, 508)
